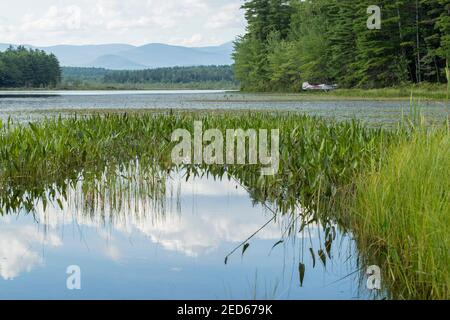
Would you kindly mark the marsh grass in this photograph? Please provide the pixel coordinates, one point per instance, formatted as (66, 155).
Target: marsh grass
(319, 162)
(399, 211)
(401, 215)
(426, 91)
(317, 156)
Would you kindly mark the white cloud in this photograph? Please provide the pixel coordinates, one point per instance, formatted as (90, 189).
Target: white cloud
(19, 248)
(55, 19)
(203, 187)
(189, 233)
(113, 253)
(193, 233)
(184, 22)
(227, 16)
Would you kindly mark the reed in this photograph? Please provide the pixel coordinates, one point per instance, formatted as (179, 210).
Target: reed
(389, 187)
(316, 156)
(400, 215)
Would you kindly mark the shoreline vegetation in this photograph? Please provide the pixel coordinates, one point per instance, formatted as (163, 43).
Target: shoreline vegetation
(195, 77)
(387, 187)
(332, 41)
(400, 212)
(424, 92)
(223, 85)
(368, 180)
(17, 64)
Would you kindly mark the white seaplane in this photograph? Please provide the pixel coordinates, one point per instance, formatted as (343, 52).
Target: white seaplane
(325, 87)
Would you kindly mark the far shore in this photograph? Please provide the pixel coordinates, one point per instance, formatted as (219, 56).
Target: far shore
(404, 93)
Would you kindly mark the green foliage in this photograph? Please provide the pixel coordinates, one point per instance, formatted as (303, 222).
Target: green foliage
(251, 64)
(328, 41)
(172, 75)
(309, 28)
(28, 68)
(267, 19)
(398, 205)
(443, 24)
(74, 74)
(283, 66)
(175, 77)
(316, 155)
(401, 214)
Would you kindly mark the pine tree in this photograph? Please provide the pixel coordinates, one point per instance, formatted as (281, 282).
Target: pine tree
(432, 63)
(378, 62)
(20, 67)
(443, 24)
(328, 41)
(342, 41)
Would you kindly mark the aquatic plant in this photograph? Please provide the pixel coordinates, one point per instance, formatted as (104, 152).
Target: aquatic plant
(316, 156)
(320, 160)
(400, 216)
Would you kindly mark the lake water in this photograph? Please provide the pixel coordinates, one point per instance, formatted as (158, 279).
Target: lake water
(171, 246)
(33, 105)
(172, 242)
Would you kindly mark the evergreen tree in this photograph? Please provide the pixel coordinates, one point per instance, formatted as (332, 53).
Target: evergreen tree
(20, 67)
(443, 25)
(288, 42)
(342, 42)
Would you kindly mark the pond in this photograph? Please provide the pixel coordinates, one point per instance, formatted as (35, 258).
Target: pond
(158, 234)
(33, 105)
(175, 238)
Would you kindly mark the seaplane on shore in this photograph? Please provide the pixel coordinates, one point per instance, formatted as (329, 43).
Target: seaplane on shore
(325, 87)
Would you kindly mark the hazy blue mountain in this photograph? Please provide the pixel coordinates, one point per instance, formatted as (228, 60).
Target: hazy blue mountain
(81, 56)
(123, 56)
(3, 46)
(114, 62)
(224, 48)
(158, 55)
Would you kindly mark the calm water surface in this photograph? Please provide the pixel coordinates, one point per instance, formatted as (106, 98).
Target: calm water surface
(174, 246)
(32, 105)
(169, 247)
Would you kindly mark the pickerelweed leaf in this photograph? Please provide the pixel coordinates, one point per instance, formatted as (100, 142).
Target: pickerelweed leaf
(313, 257)
(60, 204)
(322, 257)
(302, 269)
(277, 244)
(328, 244)
(245, 247)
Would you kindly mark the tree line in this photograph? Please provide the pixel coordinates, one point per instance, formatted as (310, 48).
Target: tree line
(328, 41)
(173, 75)
(21, 67)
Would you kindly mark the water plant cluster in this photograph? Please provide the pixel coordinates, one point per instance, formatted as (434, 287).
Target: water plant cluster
(336, 172)
(315, 154)
(400, 213)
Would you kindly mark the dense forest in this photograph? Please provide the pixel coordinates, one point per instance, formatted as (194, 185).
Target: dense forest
(78, 74)
(174, 75)
(21, 67)
(328, 41)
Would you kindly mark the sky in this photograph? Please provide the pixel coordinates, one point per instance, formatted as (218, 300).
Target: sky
(178, 22)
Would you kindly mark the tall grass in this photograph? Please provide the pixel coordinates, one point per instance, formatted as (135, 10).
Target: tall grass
(423, 91)
(397, 207)
(400, 212)
(401, 215)
(316, 156)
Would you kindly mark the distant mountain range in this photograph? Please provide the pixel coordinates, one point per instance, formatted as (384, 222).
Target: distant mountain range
(128, 57)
